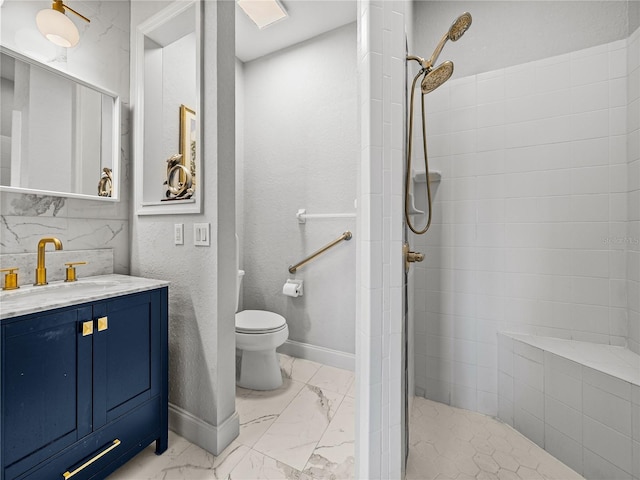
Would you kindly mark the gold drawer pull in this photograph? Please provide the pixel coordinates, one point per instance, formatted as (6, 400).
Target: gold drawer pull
(69, 474)
(103, 323)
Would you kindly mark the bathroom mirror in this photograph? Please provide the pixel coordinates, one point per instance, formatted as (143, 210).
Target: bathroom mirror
(59, 135)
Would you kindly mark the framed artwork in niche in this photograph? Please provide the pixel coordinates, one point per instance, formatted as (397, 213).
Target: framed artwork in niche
(188, 132)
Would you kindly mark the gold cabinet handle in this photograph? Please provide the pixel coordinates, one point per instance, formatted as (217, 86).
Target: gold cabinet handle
(113, 445)
(103, 323)
(87, 328)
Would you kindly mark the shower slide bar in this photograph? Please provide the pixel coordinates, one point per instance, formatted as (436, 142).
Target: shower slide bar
(345, 236)
(302, 215)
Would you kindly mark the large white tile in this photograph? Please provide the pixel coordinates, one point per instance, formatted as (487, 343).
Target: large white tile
(334, 379)
(334, 456)
(293, 436)
(257, 466)
(297, 369)
(259, 409)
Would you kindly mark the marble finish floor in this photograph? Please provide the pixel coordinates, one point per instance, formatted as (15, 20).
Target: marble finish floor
(450, 443)
(304, 431)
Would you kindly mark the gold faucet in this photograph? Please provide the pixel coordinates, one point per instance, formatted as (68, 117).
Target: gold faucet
(41, 271)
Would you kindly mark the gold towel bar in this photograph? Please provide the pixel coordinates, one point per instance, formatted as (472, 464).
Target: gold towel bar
(345, 236)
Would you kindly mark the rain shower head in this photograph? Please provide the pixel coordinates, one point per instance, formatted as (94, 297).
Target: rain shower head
(437, 77)
(457, 29)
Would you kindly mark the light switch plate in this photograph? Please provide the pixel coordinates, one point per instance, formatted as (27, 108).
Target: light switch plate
(201, 234)
(178, 234)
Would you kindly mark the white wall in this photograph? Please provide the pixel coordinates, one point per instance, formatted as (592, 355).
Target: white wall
(300, 151)
(527, 218)
(202, 288)
(101, 58)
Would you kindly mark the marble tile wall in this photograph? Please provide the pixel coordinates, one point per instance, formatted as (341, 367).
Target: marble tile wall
(99, 262)
(101, 58)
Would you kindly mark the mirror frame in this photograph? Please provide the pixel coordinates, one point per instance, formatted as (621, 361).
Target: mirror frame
(115, 144)
(168, 19)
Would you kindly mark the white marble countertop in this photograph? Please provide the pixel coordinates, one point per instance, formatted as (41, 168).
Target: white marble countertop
(31, 299)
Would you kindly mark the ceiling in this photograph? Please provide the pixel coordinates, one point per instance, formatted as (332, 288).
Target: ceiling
(307, 19)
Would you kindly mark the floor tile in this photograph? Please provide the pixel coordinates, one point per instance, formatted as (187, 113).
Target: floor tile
(333, 379)
(447, 442)
(298, 369)
(259, 409)
(256, 466)
(334, 456)
(294, 435)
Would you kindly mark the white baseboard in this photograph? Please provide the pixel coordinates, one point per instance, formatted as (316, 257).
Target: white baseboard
(326, 356)
(212, 438)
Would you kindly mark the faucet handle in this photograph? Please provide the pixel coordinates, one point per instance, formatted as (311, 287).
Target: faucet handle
(10, 279)
(71, 270)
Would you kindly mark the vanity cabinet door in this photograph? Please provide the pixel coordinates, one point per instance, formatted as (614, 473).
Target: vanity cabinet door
(126, 355)
(46, 386)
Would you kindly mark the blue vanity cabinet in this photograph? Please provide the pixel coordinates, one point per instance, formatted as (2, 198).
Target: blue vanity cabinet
(84, 388)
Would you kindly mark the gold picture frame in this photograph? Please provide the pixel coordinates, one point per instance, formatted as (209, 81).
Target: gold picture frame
(188, 135)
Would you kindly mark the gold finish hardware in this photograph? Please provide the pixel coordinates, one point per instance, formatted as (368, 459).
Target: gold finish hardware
(60, 7)
(87, 328)
(103, 323)
(71, 271)
(10, 279)
(345, 236)
(410, 257)
(113, 445)
(41, 271)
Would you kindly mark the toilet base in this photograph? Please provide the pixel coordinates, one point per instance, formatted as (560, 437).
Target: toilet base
(260, 370)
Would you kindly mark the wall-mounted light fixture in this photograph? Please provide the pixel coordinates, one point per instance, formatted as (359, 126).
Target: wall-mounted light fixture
(57, 27)
(263, 12)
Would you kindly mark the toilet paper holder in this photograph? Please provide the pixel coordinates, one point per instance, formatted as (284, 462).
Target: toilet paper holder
(293, 288)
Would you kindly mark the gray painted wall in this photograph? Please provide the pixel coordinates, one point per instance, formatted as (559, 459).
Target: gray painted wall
(300, 151)
(202, 289)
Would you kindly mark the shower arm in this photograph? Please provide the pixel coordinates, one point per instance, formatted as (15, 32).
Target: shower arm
(420, 60)
(436, 53)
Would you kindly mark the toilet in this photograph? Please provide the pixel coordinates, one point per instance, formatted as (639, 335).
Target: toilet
(258, 334)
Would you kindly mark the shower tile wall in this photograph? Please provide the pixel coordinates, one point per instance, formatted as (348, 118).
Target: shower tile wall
(534, 218)
(379, 270)
(633, 200)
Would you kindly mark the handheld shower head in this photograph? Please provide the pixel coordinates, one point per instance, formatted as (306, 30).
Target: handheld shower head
(461, 25)
(457, 29)
(437, 77)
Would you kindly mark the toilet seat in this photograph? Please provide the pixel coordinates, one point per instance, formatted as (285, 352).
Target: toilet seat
(259, 321)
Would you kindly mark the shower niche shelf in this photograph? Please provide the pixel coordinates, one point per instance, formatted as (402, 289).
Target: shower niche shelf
(419, 176)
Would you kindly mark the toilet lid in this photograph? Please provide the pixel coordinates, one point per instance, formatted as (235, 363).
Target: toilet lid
(259, 321)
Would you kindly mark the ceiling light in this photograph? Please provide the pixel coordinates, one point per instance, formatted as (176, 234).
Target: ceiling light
(263, 12)
(57, 27)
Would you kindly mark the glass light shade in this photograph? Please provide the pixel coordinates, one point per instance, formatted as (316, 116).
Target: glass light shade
(57, 28)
